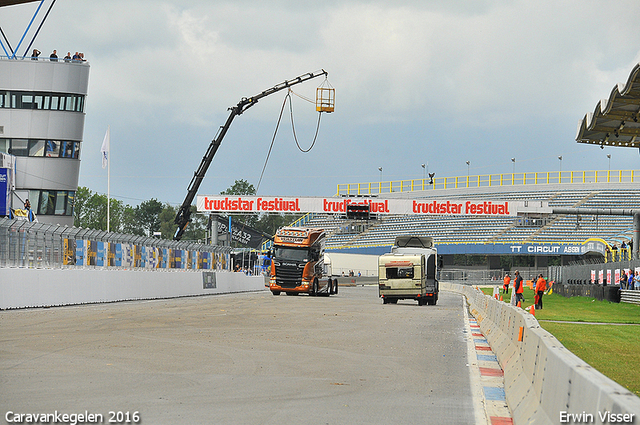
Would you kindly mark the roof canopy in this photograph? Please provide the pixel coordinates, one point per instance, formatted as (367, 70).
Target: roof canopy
(615, 120)
(11, 2)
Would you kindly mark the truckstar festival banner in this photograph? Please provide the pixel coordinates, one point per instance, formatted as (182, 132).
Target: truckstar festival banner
(258, 204)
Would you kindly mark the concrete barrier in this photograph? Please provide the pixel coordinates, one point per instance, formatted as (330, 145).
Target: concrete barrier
(21, 287)
(544, 380)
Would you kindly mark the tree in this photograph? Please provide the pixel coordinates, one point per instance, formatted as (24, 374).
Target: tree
(147, 216)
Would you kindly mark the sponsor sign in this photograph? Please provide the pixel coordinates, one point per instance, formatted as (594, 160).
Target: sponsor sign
(255, 204)
(5, 191)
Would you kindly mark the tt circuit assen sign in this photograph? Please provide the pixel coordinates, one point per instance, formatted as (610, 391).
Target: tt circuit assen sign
(260, 204)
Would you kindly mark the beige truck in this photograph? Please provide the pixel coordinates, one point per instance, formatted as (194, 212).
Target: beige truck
(409, 271)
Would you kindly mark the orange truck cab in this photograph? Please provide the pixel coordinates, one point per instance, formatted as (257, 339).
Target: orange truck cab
(298, 265)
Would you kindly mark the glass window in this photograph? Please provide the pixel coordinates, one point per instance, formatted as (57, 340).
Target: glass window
(71, 103)
(19, 147)
(61, 198)
(399, 273)
(47, 102)
(67, 150)
(80, 104)
(54, 102)
(47, 202)
(36, 148)
(53, 149)
(37, 102)
(70, 200)
(26, 102)
(76, 150)
(14, 100)
(4, 99)
(4, 145)
(34, 199)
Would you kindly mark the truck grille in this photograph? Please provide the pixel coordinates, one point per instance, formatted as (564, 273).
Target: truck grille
(288, 277)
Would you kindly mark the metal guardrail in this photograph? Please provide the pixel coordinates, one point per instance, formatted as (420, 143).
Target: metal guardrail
(490, 180)
(41, 245)
(629, 296)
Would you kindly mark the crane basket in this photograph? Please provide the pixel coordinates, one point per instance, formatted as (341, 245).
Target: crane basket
(325, 99)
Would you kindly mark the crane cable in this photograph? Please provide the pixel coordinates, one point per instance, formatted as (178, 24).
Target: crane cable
(273, 139)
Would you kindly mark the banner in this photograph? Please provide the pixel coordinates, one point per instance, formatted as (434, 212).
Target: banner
(242, 233)
(255, 204)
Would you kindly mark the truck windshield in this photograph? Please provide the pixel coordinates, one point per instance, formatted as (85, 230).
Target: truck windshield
(296, 254)
(399, 272)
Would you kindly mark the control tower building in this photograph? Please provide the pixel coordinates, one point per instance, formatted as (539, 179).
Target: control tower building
(42, 111)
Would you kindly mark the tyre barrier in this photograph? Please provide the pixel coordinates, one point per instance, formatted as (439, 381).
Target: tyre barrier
(544, 382)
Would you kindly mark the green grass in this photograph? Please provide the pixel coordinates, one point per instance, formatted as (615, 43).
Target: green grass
(614, 350)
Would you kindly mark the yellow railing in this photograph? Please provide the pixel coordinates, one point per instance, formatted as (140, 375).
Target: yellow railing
(490, 180)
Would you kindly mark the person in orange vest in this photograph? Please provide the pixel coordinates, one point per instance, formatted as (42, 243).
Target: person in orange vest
(541, 286)
(518, 287)
(507, 281)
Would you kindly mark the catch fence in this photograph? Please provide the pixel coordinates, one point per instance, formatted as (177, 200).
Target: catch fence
(40, 245)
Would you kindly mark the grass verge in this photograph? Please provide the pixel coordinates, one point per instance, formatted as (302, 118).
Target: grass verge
(611, 349)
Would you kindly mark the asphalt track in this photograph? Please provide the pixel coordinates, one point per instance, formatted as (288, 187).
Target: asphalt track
(247, 358)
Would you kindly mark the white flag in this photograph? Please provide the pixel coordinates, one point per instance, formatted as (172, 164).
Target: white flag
(105, 149)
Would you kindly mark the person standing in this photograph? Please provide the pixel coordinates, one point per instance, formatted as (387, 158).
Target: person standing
(518, 287)
(507, 281)
(623, 280)
(541, 286)
(53, 57)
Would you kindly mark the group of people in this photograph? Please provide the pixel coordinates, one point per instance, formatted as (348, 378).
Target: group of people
(53, 57)
(629, 281)
(518, 288)
(624, 252)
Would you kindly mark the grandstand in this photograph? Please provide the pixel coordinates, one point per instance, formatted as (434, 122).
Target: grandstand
(481, 235)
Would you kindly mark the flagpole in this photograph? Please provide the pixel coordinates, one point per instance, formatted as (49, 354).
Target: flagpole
(109, 182)
(104, 150)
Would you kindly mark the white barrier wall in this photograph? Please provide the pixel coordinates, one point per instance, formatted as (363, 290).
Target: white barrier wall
(544, 380)
(21, 287)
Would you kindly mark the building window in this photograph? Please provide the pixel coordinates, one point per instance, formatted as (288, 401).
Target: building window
(35, 148)
(42, 101)
(52, 202)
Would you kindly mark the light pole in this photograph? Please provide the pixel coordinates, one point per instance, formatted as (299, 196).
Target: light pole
(609, 156)
(560, 175)
(380, 169)
(468, 163)
(423, 171)
(514, 165)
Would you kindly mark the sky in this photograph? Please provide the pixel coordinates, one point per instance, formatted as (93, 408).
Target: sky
(437, 82)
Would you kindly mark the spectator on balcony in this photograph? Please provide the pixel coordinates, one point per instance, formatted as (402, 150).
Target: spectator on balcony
(53, 57)
(35, 54)
(623, 280)
(68, 57)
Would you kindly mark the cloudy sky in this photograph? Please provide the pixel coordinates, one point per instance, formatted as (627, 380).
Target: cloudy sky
(437, 82)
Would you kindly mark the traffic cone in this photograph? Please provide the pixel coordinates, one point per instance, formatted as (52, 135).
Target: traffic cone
(519, 305)
(532, 310)
(500, 297)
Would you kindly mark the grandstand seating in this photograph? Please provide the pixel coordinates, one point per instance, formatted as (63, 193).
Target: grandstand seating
(472, 229)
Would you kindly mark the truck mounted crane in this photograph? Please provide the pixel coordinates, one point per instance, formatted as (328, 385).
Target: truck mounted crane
(183, 217)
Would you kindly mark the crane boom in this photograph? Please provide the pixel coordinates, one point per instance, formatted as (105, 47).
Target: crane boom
(183, 217)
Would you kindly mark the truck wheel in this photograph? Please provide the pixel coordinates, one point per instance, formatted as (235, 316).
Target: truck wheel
(275, 292)
(330, 283)
(335, 286)
(385, 301)
(314, 289)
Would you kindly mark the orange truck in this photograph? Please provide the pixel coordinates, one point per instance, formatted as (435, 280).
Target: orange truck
(297, 264)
